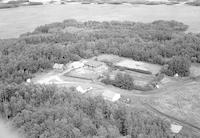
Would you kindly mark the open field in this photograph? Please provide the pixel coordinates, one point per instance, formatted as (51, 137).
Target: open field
(139, 65)
(129, 63)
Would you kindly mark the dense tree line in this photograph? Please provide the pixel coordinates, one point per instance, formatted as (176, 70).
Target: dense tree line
(51, 112)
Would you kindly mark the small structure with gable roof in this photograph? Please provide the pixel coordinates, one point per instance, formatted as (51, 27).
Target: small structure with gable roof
(176, 75)
(176, 128)
(111, 96)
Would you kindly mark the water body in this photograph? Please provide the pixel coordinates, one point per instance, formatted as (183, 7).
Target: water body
(16, 21)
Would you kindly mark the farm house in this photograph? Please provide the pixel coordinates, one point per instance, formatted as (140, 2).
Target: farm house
(95, 66)
(111, 96)
(75, 65)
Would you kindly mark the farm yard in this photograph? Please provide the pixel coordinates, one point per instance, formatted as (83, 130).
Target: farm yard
(88, 73)
(94, 69)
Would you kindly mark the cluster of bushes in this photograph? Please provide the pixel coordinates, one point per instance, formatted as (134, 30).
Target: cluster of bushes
(121, 80)
(51, 112)
(125, 81)
(177, 65)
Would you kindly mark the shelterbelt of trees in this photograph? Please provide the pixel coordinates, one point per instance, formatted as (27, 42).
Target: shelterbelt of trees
(48, 112)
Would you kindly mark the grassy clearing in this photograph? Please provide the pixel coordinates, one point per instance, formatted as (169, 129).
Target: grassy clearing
(181, 100)
(195, 70)
(108, 58)
(129, 63)
(139, 65)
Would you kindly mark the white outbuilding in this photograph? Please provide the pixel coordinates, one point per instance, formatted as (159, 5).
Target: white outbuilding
(82, 90)
(111, 96)
(176, 75)
(157, 86)
(28, 80)
(176, 128)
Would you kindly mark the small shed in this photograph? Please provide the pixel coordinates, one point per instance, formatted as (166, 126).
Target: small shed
(157, 86)
(80, 89)
(176, 128)
(28, 80)
(111, 96)
(176, 75)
